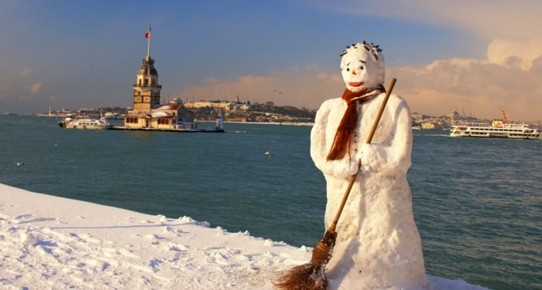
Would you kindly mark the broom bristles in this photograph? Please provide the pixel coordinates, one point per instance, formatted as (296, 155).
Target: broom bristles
(303, 277)
(310, 276)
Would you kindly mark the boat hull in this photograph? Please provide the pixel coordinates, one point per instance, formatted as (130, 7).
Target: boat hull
(89, 127)
(85, 124)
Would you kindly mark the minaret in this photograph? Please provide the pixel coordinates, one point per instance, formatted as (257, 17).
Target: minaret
(146, 88)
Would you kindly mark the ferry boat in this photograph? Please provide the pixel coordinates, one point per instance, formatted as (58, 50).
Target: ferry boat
(497, 129)
(85, 123)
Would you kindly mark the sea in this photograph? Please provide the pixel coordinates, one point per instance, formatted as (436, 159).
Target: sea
(477, 202)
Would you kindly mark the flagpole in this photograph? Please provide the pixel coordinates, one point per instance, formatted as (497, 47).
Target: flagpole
(149, 42)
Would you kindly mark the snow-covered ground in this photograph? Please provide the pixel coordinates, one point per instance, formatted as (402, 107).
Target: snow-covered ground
(49, 242)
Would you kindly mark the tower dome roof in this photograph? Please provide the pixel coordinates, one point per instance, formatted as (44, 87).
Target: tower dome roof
(148, 67)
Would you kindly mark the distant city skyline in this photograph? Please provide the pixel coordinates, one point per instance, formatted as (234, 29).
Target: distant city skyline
(474, 57)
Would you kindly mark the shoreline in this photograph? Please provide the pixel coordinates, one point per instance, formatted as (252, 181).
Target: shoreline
(80, 242)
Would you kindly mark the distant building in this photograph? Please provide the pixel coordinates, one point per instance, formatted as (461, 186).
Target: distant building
(416, 116)
(454, 116)
(428, 126)
(222, 105)
(147, 112)
(146, 88)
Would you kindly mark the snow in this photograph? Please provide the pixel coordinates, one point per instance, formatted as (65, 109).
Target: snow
(50, 242)
(159, 114)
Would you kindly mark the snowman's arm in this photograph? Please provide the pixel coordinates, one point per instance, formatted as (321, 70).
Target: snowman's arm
(322, 136)
(393, 156)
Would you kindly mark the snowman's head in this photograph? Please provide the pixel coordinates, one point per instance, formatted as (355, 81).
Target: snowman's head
(362, 66)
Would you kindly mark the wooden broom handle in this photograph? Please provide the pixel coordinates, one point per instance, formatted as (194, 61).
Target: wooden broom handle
(369, 139)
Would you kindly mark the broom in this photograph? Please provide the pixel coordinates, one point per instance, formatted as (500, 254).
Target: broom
(311, 276)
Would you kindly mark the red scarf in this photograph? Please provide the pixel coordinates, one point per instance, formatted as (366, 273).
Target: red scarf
(342, 139)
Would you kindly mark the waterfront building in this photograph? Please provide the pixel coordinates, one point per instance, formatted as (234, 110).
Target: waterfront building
(147, 112)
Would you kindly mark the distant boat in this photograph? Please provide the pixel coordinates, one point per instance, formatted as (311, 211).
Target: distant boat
(113, 115)
(182, 126)
(85, 123)
(499, 128)
(219, 125)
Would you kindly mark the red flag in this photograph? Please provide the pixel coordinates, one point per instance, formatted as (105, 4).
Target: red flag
(148, 33)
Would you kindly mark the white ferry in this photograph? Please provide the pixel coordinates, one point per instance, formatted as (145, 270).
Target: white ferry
(497, 129)
(85, 123)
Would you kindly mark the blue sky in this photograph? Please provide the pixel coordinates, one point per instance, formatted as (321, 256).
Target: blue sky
(474, 57)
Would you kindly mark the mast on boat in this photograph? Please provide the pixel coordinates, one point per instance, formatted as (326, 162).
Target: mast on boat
(504, 117)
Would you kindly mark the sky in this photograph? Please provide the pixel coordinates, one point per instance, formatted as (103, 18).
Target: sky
(474, 57)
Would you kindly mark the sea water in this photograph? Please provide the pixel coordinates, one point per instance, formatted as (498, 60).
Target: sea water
(477, 202)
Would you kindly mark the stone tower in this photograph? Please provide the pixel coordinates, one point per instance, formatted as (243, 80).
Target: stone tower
(146, 88)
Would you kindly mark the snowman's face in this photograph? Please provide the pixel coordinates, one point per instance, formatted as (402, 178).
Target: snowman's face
(362, 67)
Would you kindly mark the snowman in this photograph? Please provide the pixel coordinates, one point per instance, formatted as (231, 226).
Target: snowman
(378, 245)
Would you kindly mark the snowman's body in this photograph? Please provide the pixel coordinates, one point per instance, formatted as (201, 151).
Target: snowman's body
(378, 245)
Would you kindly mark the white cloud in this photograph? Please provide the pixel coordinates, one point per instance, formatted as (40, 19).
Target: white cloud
(35, 87)
(480, 88)
(26, 72)
(19, 88)
(515, 53)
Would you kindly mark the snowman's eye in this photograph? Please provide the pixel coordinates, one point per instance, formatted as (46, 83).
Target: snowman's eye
(362, 65)
(347, 69)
